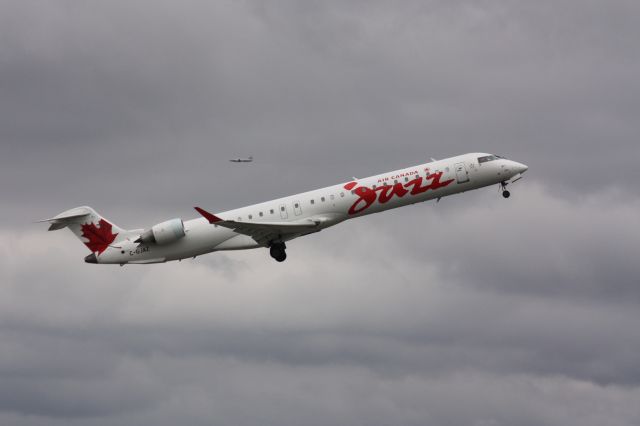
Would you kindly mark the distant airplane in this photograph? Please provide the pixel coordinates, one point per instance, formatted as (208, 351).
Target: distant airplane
(272, 223)
(242, 160)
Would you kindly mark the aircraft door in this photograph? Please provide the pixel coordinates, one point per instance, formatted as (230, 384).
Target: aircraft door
(297, 208)
(283, 211)
(462, 174)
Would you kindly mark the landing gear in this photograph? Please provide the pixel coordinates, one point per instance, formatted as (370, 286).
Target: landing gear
(503, 186)
(277, 251)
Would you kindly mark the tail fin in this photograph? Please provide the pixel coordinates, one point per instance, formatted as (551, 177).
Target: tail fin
(93, 230)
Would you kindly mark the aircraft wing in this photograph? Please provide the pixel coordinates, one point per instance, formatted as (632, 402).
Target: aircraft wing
(264, 232)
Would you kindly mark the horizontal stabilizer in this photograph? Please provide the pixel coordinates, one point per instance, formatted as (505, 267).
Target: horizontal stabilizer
(57, 225)
(66, 218)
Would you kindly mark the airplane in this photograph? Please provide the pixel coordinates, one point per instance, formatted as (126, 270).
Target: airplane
(242, 160)
(273, 223)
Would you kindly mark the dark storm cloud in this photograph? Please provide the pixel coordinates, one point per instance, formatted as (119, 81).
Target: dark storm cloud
(475, 310)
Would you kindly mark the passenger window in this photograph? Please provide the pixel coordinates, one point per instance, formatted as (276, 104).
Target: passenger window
(282, 208)
(271, 211)
(250, 216)
(342, 194)
(332, 197)
(322, 199)
(260, 214)
(313, 201)
(296, 205)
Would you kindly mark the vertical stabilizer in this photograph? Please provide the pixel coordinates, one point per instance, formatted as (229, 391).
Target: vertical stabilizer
(96, 232)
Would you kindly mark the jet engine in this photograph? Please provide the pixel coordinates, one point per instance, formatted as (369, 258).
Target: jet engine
(163, 233)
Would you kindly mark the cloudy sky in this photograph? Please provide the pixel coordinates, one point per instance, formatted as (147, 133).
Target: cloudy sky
(474, 311)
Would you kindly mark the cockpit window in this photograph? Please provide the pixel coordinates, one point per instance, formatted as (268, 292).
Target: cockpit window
(488, 158)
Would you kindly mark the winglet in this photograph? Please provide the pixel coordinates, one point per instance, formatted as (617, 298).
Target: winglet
(210, 217)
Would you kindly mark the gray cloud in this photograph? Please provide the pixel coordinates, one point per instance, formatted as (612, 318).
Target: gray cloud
(410, 327)
(475, 310)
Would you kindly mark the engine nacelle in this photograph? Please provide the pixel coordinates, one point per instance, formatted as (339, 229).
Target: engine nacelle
(163, 233)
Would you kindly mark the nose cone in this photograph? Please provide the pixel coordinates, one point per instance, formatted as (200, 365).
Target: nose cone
(91, 258)
(519, 167)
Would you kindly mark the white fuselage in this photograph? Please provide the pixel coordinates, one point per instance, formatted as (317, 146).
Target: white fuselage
(327, 206)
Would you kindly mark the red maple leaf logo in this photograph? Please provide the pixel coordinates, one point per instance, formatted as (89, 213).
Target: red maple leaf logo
(99, 236)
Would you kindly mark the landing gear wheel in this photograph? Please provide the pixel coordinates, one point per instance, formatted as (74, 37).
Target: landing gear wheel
(278, 252)
(503, 186)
